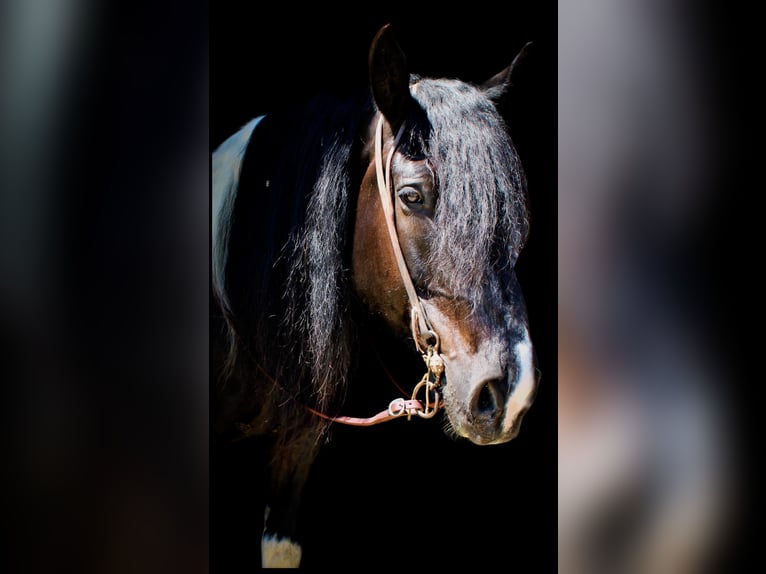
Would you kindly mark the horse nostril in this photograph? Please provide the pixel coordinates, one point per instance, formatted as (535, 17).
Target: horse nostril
(488, 400)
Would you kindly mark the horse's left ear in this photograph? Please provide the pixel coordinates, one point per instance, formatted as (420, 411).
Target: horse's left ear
(497, 87)
(389, 76)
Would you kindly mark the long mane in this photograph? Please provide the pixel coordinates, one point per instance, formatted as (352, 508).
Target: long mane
(286, 274)
(286, 278)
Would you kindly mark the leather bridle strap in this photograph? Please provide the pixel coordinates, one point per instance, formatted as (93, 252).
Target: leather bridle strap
(396, 409)
(420, 323)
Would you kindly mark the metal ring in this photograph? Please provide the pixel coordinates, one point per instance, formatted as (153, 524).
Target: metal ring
(431, 339)
(398, 403)
(430, 386)
(428, 414)
(424, 381)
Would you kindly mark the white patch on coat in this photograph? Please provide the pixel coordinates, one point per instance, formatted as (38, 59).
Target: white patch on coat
(227, 163)
(279, 552)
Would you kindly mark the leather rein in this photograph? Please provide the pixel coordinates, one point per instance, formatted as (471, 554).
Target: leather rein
(421, 326)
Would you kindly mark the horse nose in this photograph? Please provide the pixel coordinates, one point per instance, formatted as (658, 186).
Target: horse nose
(488, 401)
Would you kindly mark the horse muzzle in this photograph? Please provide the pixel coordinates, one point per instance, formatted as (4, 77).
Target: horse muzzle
(486, 398)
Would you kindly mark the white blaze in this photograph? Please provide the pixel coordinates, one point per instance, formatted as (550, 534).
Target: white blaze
(523, 391)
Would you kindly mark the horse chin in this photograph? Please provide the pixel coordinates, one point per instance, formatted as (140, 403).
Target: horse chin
(460, 426)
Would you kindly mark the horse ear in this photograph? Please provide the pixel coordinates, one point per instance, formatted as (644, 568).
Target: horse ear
(389, 76)
(497, 87)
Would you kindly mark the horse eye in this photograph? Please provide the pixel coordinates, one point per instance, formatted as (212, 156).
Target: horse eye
(409, 195)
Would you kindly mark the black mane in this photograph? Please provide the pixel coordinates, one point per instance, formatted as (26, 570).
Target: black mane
(288, 255)
(287, 273)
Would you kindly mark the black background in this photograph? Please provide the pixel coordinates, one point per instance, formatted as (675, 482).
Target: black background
(404, 494)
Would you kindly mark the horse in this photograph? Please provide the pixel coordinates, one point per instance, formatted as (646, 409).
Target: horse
(353, 232)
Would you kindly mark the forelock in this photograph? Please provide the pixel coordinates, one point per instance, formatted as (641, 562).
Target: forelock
(481, 213)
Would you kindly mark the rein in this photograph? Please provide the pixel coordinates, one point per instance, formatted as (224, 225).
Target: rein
(421, 326)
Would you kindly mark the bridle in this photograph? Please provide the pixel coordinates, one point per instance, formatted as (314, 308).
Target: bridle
(419, 319)
(422, 331)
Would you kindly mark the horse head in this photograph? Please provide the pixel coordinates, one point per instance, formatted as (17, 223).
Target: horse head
(458, 206)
